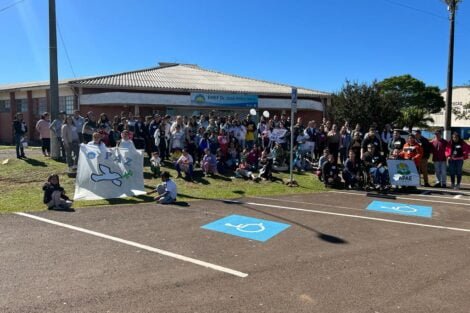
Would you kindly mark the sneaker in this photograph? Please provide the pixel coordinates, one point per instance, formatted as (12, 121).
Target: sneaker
(457, 187)
(444, 186)
(427, 185)
(437, 185)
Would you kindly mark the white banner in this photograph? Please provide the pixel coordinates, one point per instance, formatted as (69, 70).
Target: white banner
(277, 135)
(403, 173)
(109, 173)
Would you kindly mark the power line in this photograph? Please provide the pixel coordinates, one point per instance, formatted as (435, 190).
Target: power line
(66, 51)
(416, 9)
(10, 6)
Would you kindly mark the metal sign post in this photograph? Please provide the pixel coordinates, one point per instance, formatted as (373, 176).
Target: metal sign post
(293, 110)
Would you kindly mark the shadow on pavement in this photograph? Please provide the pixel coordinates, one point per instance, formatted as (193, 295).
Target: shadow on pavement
(325, 237)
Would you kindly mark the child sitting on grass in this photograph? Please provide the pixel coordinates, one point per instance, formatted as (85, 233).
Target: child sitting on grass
(243, 170)
(209, 162)
(167, 190)
(155, 163)
(54, 195)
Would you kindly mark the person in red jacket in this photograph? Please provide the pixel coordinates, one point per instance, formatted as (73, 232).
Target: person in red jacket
(412, 150)
(438, 149)
(456, 152)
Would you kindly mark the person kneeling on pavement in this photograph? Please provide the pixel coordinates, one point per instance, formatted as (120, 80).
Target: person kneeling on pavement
(330, 173)
(167, 190)
(54, 195)
(376, 166)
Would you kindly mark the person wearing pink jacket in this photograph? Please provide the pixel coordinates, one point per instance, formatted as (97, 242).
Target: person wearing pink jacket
(456, 153)
(42, 126)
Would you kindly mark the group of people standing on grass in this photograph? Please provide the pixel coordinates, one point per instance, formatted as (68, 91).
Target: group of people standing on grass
(371, 151)
(243, 146)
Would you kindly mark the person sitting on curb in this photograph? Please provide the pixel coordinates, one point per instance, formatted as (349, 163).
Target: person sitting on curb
(167, 190)
(54, 195)
(185, 164)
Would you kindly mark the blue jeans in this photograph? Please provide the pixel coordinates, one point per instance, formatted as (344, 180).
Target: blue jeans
(440, 168)
(378, 177)
(455, 169)
(19, 146)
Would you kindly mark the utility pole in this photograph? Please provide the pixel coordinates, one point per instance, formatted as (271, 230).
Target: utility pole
(452, 6)
(54, 80)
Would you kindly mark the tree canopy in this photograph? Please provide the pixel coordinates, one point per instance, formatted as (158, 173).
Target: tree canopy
(400, 100)
(363, 104)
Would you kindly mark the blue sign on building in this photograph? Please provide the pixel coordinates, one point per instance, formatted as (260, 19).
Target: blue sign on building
(401, 208)
(224, 100)
(247, 227)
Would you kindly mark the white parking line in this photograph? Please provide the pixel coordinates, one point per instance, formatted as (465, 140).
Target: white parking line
(140, 246)
(358, 217)
(406, 198)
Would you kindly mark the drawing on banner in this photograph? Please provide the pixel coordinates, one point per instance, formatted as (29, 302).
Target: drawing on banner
(404, 208)
(248, 228)
(107, 175)
(278, 135)
(403, 173)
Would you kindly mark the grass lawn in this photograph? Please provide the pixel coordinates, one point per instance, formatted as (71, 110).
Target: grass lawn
(21, 184)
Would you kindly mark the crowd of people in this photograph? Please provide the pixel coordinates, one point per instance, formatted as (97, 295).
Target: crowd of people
(251, 148)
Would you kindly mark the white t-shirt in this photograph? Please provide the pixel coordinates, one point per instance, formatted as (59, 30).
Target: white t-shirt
(185, 160)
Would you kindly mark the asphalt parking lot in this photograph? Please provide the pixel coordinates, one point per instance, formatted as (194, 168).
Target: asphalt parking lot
(334, 256)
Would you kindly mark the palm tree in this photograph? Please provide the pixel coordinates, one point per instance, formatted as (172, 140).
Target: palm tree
(413, 116)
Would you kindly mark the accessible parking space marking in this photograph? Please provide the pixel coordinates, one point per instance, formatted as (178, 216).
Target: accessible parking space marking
(140, 246)
(400, 208)
(247, 227)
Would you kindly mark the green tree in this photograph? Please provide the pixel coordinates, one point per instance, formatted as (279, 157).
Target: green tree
(407, 91)
(363, 104)
(413, 99)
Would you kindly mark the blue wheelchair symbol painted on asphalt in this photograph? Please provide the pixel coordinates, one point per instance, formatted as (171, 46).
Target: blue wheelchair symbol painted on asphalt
(400, 208)
(247, 227)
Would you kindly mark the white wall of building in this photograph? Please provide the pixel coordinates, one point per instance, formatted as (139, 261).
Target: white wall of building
(460, 97)
(123, 98)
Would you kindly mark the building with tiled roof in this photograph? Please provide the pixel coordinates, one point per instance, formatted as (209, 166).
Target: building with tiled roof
(170, 88)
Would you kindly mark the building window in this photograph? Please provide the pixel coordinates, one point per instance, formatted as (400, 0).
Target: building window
(42, 105)
(66, 104)
(21, 105)
(4, 106)
(39, 106)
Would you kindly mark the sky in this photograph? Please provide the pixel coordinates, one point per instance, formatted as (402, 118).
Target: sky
(305, 43)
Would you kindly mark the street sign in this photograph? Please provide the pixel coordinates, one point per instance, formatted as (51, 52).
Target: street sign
(247, 227)
(293, 97)
(400, 208)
